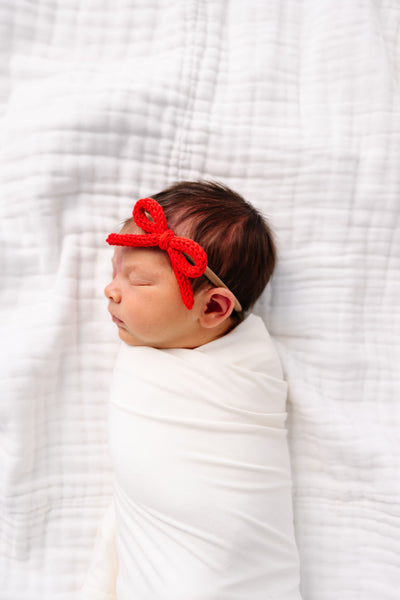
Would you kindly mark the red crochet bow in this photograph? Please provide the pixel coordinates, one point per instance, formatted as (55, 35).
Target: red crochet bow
(159, 234)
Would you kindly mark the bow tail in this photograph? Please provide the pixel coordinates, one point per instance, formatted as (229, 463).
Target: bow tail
(184, 286)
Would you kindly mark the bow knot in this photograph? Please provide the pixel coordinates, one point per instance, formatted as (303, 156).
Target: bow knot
(165, 239)
(157, 233)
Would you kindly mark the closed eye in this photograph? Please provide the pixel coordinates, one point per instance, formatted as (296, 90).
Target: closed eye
(139, 282)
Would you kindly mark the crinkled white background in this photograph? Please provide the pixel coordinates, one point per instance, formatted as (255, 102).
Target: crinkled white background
(293, 103)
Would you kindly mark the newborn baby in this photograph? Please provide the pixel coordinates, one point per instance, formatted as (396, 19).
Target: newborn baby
(202, 506)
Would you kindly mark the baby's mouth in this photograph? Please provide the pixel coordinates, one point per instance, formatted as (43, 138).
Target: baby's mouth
(117, 321)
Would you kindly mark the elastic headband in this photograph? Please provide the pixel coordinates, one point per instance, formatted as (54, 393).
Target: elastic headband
(188, 258)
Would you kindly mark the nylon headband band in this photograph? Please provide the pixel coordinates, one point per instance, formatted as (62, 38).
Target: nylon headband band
(215, 280)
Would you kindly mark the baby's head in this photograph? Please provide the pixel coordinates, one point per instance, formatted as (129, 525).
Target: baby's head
(240, 251)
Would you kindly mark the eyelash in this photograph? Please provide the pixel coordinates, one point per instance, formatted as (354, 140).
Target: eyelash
(138, 282)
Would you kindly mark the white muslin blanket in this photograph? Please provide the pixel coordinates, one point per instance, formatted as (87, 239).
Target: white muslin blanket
(203, 503)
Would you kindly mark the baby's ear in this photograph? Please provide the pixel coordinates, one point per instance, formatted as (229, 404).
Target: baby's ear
(218, 306)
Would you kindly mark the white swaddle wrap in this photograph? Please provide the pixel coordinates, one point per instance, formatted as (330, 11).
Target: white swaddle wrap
(202, 475)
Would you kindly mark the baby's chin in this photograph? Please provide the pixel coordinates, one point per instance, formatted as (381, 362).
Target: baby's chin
(131, 340)
(128, 339)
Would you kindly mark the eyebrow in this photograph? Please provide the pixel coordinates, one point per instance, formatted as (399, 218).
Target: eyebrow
(113, 262)
(129, 268)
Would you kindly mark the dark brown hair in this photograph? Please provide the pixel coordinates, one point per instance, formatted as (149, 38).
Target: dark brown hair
(238, 242)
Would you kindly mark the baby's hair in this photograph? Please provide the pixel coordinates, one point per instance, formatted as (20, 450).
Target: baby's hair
(238, 241)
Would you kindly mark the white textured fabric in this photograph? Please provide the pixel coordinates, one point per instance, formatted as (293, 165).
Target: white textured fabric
(295, 104)
(203, 495)
(101, 579)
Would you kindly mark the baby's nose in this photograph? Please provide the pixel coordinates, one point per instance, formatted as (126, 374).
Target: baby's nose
(112, 293)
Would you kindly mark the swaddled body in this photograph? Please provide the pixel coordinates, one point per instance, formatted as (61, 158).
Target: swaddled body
(202, 474)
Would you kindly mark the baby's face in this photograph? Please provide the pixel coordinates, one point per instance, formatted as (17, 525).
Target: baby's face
(145, 301)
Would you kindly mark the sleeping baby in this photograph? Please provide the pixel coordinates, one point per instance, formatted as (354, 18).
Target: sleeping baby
(202, 506)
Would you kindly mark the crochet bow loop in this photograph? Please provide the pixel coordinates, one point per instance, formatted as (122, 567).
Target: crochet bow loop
(190, 258)
(148, 205)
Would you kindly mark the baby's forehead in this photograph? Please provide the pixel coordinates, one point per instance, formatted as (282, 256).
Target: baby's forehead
(125, 256)
(131, 227)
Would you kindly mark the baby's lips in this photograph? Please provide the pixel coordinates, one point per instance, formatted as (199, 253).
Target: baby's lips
(116, 320)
